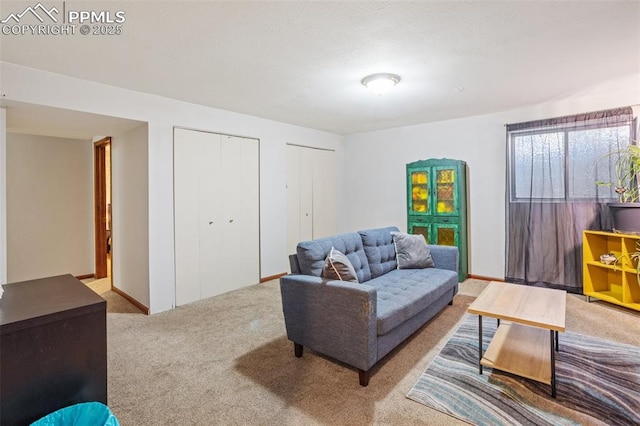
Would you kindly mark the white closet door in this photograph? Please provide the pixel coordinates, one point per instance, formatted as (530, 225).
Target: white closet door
(324, 193)
(186, 215)
(293, 198)
(216, 202)
(211, 206)
(311, 195)
(247, 224)
(306, 193)
(240, 238)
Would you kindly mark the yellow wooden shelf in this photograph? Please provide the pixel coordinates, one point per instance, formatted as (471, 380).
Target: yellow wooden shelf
(618, 283)
(612, 267)
(614, 298)
(614, 234)
(608, 296)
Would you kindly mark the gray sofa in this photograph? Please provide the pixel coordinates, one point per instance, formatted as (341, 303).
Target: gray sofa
(359, 323)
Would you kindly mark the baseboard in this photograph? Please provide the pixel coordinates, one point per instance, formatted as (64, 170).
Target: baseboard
(131, 300)
(85, 276)
(481, 277)
(272, 277)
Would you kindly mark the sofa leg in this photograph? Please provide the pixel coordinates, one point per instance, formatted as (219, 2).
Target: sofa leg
(451, 303)
(364, 377)
(297, 349)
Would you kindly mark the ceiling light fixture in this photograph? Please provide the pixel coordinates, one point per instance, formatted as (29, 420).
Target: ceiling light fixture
(380, 83)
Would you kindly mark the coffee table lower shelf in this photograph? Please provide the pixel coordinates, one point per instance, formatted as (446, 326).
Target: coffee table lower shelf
(521, 350)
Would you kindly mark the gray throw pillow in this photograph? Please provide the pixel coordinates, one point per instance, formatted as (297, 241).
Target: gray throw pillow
(412, 251)
(338, 267)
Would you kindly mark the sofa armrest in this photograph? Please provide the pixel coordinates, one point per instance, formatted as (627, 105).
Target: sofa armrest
(335, 318)
(445, 257)
(294, 264)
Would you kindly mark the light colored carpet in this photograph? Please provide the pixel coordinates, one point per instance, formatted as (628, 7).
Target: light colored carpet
(226, 361)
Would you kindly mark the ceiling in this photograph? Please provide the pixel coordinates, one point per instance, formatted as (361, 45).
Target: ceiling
(55, 122)
(302, 62)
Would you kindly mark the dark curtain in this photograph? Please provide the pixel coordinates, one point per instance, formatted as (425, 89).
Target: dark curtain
(552, 196)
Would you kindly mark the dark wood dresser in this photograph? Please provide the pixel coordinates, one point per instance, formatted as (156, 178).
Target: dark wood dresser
(53, 348)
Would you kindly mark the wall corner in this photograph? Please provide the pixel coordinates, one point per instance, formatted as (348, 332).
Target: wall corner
(3, 196)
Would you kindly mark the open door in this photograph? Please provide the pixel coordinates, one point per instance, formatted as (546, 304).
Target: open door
(102, 191)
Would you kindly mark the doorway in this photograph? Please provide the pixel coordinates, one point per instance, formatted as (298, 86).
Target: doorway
(102, 191)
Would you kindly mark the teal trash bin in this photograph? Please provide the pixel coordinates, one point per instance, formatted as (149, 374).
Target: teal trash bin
(83, 414)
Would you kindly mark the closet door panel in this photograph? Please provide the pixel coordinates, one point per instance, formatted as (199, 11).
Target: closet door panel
(186, 211)
(241, 232)
(211, 214)
(306, 194)
(231, 226)
(248, 227)
(293, 198)
(324, 193)
(250, 214)
(311, 195)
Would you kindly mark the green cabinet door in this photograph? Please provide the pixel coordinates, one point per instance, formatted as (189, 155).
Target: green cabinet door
(443, 234)
(446, 234)
(446, 192)
(419, 189)
(421, 228)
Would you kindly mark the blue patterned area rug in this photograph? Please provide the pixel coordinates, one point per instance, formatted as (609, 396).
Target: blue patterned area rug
(598, 382)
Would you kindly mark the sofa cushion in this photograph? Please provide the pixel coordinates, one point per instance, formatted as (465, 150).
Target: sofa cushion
(338, 267)
(312, 254)
(380, 251)
(403, 293)
(412, 251)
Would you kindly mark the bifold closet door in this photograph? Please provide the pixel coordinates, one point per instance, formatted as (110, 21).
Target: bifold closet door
(324, 193)
(216, 185)
(311, 194)
(211, 200)
(240, 239)
(299, 196)
(293, 198)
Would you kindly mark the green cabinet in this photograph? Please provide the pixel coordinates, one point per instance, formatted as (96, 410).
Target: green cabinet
(437, 204)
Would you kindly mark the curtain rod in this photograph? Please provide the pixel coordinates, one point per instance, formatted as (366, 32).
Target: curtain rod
(625, 113)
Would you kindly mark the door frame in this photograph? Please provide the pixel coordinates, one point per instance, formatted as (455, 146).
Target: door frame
(100, 204)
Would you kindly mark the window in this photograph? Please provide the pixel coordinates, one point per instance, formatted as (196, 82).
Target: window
(553, 166)
(564, 164)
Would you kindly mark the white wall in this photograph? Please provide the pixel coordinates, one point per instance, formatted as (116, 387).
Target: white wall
(130, 213)
(375, 189)
(44, 88)
(480, 140)
(49, 207)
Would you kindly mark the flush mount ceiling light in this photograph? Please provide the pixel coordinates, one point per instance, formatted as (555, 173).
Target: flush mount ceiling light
(380, 83)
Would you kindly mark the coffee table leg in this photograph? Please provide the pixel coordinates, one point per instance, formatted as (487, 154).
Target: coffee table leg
(557, 347)
(553, 362)
(480, 343)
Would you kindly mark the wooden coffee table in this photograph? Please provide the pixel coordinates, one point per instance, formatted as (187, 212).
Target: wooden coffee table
(522, 345)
